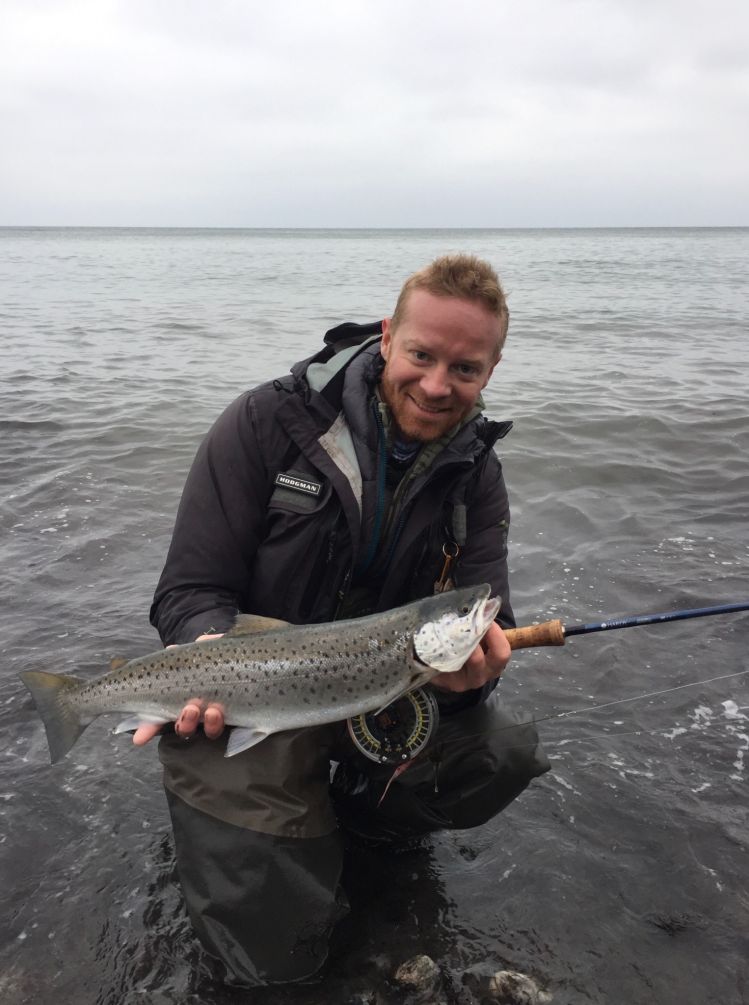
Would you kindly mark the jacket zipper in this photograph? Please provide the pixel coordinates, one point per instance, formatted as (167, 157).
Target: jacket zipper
(342, 593)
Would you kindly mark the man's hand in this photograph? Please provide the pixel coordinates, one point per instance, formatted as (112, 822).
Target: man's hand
(194, 712)
(486, 662)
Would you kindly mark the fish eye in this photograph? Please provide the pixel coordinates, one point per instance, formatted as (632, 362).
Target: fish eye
(465, 609)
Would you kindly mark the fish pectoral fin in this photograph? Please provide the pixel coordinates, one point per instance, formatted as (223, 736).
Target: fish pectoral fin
(251, 624)
(417, 679)
(131, 724)
(242, 738)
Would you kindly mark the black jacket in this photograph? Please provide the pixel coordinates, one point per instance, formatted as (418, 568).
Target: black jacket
(281, 506)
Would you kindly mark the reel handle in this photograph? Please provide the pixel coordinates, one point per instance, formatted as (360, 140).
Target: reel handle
(550, 633)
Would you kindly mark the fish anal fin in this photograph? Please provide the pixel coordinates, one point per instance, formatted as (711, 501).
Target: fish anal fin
(242, 738)
(251, 624)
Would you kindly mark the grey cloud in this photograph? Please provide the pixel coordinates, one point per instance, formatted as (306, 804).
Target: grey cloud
(391, 113)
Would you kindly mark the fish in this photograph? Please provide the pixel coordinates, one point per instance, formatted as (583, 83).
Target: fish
(270, 676)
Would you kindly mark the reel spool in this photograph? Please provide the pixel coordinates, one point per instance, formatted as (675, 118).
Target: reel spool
(398, 732)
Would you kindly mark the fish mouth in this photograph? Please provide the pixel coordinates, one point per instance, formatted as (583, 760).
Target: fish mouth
(483, 614)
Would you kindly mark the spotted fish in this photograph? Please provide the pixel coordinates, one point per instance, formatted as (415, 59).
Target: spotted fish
(269, 675)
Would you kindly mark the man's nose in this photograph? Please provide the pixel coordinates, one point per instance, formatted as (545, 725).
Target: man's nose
(436, 382)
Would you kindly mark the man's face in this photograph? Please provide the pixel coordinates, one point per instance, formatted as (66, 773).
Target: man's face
(437, 363)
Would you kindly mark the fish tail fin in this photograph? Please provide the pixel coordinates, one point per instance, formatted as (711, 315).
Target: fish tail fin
(51, 693)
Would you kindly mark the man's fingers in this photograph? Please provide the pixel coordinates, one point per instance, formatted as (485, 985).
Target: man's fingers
(213, 722)
(495, 652)
(145, 733)
(486, 662)
(475, 661)
(189, 718)
(495, 646)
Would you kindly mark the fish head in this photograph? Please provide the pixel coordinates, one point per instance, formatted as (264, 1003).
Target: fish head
(453, 625)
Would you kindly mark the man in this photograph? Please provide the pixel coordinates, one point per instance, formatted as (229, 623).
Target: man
(364, 479)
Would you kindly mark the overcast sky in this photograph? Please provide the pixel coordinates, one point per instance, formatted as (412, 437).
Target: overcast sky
(385, 113)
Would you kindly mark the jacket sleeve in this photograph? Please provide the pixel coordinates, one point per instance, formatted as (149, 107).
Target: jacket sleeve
(218, 526)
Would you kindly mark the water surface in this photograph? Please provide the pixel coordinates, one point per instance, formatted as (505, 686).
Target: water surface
(618, 877)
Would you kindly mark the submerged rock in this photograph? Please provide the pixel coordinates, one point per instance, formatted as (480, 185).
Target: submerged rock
(505, 987)
(419, 974)
(508, 987)
(418, 981)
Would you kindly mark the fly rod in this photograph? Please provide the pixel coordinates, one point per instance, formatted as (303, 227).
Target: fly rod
(554, 633)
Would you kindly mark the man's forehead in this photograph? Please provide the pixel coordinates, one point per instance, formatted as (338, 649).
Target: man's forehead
(423, 305)
(464, 324)
(420, 301)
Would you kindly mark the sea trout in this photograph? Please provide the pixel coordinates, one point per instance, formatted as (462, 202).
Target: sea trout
(269, 675)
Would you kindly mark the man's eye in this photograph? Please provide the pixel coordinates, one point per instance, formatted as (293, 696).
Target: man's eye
(420, 355)
(466, 369)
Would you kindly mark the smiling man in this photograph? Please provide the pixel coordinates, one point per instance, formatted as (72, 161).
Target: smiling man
(439, 352)
(364, 479)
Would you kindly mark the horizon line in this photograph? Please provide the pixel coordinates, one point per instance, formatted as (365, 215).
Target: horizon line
(182, 226)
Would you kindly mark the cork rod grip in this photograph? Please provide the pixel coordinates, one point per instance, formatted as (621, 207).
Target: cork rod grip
(550, 633)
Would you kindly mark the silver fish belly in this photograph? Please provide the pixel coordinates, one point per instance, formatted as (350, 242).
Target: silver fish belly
(273, 679)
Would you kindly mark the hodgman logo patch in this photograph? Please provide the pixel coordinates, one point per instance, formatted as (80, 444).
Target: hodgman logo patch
(298, 484)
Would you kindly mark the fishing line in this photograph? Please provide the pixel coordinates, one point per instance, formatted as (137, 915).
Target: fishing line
(441, 744)
(639, 697)
(594, 708)
(689, 733)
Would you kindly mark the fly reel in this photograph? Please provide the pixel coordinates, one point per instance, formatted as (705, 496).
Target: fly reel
(398, 732)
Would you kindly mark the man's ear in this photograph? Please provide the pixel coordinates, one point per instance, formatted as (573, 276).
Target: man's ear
(387, 338)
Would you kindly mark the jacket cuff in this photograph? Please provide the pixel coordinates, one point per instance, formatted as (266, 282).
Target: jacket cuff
(212, 622)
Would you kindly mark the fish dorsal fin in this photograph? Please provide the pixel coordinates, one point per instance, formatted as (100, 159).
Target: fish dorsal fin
(117, 662)
(250, 624)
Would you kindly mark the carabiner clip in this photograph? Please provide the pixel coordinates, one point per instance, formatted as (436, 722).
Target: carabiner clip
(451, 551)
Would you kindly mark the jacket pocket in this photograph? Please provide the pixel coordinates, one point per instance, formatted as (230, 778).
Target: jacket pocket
(297, 563)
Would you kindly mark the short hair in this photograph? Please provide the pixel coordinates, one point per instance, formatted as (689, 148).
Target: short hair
(464, 276)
